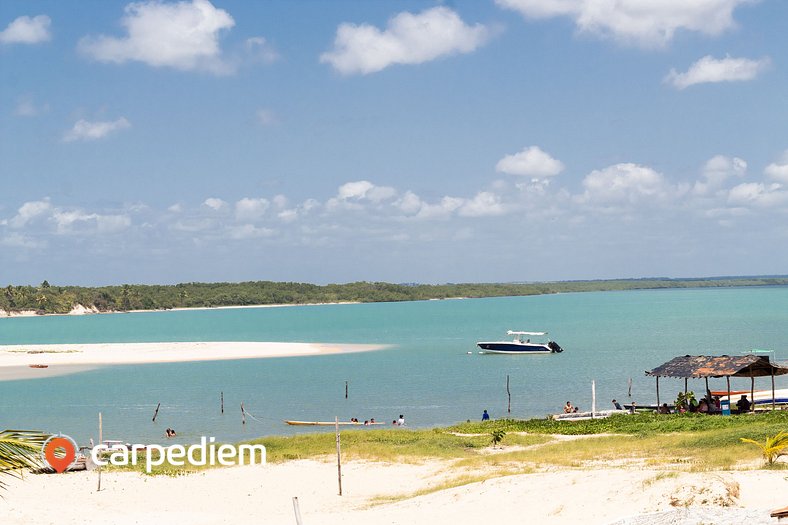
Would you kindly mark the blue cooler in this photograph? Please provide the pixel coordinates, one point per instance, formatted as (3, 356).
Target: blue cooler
(725, 406)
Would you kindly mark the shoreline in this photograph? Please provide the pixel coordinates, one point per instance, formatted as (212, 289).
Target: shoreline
(48, 360)
(82, 310)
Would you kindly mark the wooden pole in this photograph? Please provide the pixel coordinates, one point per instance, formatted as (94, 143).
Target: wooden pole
(156, 413)
(297, 511)
(101, 439)
(345, 389)
(629, 387)
(752, 394)
(772, 388)
(509, 394)
(593, 398)
(243, 414)
(707, 388)
(658, 405)
(339, 458)
(728, 381)
(685, 386)
(222, 402)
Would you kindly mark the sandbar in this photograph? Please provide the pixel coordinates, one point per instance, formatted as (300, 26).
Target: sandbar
(30, 361)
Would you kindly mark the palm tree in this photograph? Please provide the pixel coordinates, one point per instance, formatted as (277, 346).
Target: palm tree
(773, 447)
(20, 449)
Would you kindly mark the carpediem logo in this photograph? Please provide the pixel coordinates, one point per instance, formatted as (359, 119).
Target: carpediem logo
(207, 452)
(59, 452)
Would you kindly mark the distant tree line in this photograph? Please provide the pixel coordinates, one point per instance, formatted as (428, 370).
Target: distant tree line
(49, 299)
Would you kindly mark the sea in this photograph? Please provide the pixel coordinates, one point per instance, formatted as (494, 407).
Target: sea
(430, 370)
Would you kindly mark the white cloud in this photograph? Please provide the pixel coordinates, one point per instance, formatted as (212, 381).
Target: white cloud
(27, 30)
(485, 203)
(709, 70)
(67, 220)
(175, 208)
(623, 184)
(182, 35)
(365, 190)
(408, 39)
(260, 50)
(717, 170)
(29, 211)
(779, 170)
(215, 203)
(84, 130)
(249, 231)
(26, 107)
(17, 240)
(758, 194)
(530, 162)
(248, 209)
(649, 23)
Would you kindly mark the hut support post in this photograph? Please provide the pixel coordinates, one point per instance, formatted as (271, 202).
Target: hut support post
(658, 405)
(752, 394)
(685, 386)
(707, 393)
(772, 388)
(728, 381)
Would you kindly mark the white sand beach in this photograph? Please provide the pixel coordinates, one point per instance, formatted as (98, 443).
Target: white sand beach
(59, 359)
(263, 494)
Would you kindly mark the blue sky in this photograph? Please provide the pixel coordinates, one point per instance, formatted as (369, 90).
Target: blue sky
(500, 140)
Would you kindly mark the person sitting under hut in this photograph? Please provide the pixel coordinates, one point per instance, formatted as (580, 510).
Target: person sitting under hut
(703, 406)
(664, 409)
(743, 404)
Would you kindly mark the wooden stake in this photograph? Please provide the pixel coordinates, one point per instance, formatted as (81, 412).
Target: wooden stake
(243, 414)
(345, 389)
(297, 511)
(658, 405)
(222, 402)
(752, 393)
(508, 393)
(99, 466)
(728, 380)
(339, 458)
(629, 387)
(156, 413)
(593, 398)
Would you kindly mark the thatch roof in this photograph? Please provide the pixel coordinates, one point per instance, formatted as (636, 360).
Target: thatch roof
(718, 366)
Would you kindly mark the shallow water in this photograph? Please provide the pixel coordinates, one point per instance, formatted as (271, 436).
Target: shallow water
(427, 373)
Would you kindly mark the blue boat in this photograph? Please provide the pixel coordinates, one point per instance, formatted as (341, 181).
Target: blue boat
(521, 344)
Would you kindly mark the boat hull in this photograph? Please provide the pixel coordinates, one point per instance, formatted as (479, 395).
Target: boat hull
(514, 348)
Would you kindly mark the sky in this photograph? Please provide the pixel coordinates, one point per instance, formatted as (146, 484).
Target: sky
(400, 141)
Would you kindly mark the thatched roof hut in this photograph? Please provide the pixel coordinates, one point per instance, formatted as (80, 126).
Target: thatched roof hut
(706, 366)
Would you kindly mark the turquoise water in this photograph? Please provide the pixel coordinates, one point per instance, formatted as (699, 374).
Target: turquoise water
(426, 374)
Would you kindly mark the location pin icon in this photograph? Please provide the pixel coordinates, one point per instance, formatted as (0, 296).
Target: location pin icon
(62, 463)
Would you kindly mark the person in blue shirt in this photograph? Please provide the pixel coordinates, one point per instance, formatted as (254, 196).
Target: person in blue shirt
(485, 416)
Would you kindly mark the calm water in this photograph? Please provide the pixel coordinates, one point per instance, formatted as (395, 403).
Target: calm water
(426, 374)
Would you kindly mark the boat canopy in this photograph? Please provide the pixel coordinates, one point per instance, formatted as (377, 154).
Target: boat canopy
(510, 332)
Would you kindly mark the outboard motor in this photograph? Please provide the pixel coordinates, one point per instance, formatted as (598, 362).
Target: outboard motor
(552, 345)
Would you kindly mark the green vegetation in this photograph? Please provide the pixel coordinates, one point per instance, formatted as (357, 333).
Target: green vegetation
(47, 299)
(685, 442)
(773, 446)
(19, 449)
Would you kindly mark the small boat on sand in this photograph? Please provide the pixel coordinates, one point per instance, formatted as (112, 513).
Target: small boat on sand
(521, 344)
(38, 366)
(583, 416)
(329, 423)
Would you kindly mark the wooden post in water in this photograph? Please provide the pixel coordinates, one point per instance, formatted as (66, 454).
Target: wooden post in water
(297, 511)
(629, 388)
(339, 458)
(222, 397)
(345, 389)
(99, 466)
(243, 414)
(156, 413)
(509, 394)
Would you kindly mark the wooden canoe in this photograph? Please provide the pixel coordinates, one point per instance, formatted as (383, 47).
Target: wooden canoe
(328, 423)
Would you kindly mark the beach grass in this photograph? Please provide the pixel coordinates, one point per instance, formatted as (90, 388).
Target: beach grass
(685, 442)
